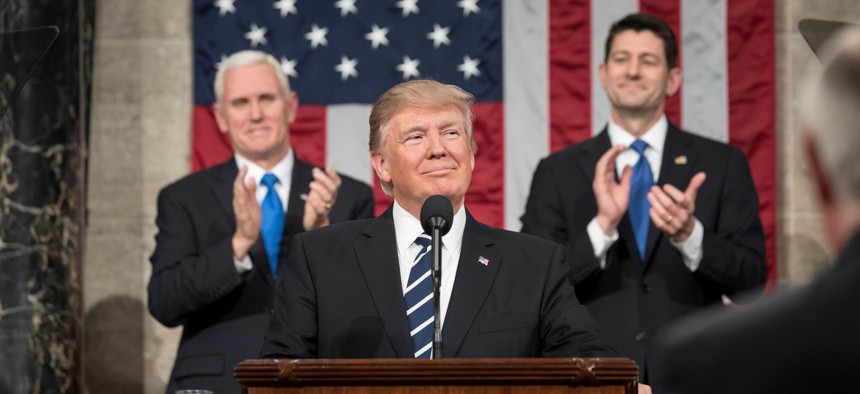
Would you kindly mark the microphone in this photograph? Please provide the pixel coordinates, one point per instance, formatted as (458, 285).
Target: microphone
(436, 218)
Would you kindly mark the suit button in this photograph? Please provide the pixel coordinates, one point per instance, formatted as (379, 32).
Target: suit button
(640, 337)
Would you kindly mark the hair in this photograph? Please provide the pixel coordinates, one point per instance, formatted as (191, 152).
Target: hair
(244, 58)
(642, 22)
(832, 112)
(417, 93)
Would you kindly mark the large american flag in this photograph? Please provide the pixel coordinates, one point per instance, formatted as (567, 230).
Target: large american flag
(531, 64)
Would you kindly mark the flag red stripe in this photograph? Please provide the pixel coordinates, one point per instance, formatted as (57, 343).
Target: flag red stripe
(669, 11)
(569, 72)
(752, 104)
(209, 146)
(486, 195)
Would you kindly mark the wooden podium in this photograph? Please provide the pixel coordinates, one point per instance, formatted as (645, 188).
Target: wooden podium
(453, 376)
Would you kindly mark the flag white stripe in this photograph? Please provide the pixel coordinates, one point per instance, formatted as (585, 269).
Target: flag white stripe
(346, 140)
(421, 327)
(603, 15)
(526, 97)
(704, 104)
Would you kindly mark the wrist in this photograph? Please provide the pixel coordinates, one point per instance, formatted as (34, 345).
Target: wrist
(241, 246)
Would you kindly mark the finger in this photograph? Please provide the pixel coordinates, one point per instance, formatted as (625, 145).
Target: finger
(333, 175)
(695, 184)
(320, 192)
(325, 179)
(675, 194)
(626, 175)
(606, 163)
(664, 223)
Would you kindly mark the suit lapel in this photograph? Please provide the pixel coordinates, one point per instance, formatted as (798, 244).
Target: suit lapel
(679, 159)
(472, 284)
(377, 256)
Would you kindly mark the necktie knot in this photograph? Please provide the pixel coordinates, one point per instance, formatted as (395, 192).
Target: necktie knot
(270, 180)
(423, 241)
(639, 146)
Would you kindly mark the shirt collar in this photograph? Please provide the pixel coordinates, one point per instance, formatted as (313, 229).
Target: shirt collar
(407, 228)
(654, 136)
(283, 170)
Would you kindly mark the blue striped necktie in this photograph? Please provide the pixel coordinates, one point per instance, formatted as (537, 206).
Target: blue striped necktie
(640, 185)
(272, 212)
(419, 300)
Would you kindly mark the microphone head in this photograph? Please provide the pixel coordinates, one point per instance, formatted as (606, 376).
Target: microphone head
(437, 212)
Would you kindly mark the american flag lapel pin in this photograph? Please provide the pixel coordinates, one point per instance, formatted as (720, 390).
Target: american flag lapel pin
(483, 260)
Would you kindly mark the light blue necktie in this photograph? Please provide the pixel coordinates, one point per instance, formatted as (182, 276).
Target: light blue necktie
(639, 206)
(272, 212)
(419, 300)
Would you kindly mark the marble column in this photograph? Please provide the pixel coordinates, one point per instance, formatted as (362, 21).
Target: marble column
(42, 160)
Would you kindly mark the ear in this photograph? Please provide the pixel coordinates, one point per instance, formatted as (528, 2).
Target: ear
(292, 106)
(820, 180)
(219, 117)
(380, 166)
(601, 73)
(674, 81)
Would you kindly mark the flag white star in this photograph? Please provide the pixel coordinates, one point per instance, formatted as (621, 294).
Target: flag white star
(408, 6)
(288, 67)
(346, 7)
(317, 36)
(225, 7)
(469, 6)
(346, 68)
(286, 7)
(377, 36)
(257, 35)
(439, 35)
(218, 64)
(469, 67)
(409, 67)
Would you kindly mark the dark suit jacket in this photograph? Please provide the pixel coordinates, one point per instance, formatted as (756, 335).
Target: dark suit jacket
(341, 297)
(802, 341)
(631, 299)
(194, 281)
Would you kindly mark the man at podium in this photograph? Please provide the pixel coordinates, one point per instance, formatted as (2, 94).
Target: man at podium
(360, 289)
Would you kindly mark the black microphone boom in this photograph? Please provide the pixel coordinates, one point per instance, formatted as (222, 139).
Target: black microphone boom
(436, 217)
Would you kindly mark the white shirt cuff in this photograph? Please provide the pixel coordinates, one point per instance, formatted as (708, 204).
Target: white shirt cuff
(691, 248)
(243, 265)
(600, 241)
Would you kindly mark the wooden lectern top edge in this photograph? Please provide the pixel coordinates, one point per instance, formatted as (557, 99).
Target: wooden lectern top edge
(410, 372)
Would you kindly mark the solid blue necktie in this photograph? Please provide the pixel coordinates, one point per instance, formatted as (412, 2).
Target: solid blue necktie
(272, 212)
(419, 300)
(639, 206)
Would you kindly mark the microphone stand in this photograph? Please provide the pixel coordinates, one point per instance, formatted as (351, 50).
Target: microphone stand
(437, 284)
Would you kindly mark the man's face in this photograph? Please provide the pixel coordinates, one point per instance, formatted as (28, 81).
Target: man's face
(425, 152)
(256, 113)
(636, 76)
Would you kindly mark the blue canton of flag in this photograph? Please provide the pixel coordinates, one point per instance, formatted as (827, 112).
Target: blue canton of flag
(350, 51)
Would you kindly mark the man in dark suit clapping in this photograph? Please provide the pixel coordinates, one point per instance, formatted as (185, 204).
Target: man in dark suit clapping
(223, 231)
(648, 238)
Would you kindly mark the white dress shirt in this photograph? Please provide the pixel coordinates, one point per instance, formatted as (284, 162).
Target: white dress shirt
(284, 171)
(407, 228)
(655, 137)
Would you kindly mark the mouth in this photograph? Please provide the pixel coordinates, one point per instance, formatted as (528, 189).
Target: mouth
(440, 171)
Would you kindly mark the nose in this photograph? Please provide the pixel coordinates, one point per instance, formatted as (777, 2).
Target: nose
(633, 68)
(256, 111)
(435, 145)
